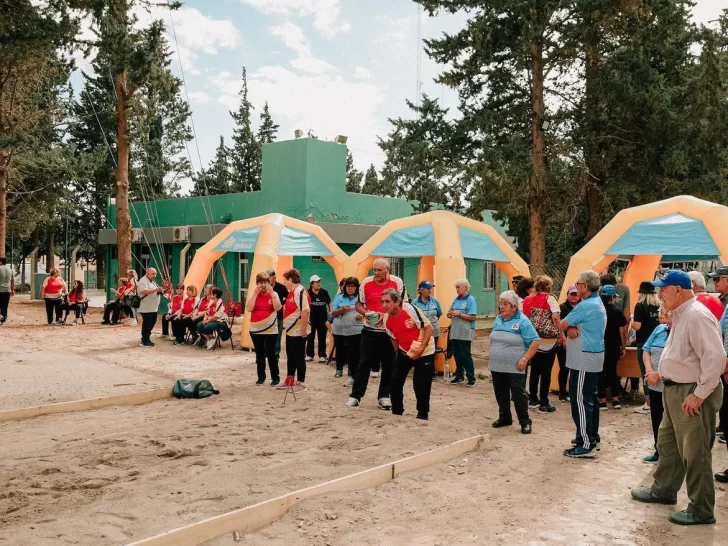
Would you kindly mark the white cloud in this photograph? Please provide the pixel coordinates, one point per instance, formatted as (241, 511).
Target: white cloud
(293, 37)
(199, 97)
(325, 13)
(361, 73)
(311, 65)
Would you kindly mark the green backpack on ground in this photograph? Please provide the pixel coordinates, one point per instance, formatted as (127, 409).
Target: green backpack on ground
(193, 388)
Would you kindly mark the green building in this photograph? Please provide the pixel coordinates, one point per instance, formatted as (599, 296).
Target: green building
(304, 179)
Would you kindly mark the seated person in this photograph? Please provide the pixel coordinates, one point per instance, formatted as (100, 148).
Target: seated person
(174, 304)
(76, 301)
(198, 313)
(130, 291)
(215, 318)
(113, 309)
(182, 320)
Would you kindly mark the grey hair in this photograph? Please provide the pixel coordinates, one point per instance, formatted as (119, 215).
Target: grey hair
(511, 297)
(271, 272)
(382, 261)
(462, 282)
(591, 280)
(697, 278)
(393, 294)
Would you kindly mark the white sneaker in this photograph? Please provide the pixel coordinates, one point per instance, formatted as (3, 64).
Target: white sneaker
(349, 382)
(304, 389)
(644, 410)
(171, 337)
(385, 404)
(74, 323)
(132, 322)
(373, 375)
(352, 402)
(309, 358)
(322, 359)
(210, 344)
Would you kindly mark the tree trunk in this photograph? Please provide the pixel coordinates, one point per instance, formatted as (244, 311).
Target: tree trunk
(123, 218)
(596, 175)
(4, 164)
(537, 179)
(51, 249)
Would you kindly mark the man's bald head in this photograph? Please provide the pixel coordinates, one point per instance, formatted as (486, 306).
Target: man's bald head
(151, 273)
(381, 270)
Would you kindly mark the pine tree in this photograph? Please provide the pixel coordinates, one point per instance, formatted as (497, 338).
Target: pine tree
(268, 130)
(217, 178)
(353, 176)
(372, 184)
(245, 151)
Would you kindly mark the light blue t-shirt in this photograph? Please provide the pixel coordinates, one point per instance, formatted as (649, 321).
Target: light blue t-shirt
(586, 351)
(463, 329)
(509, 340)
(432, 310)
(724, 328)
(654, 345)
(347, 323)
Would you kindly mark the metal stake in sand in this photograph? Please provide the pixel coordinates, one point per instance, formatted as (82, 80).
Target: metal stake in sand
(290, 382)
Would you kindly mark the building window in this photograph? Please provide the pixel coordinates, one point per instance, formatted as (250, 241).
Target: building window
(316, 259)
(489, 273)
(396, 267)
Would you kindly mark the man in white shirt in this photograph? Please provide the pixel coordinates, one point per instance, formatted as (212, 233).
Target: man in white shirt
(149, 291)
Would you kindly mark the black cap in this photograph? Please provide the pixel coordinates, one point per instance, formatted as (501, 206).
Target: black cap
(646, 287)
(721, 272)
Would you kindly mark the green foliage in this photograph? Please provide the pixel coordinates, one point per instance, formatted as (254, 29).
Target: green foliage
(353, 177)
(217, 179)
(245, 152)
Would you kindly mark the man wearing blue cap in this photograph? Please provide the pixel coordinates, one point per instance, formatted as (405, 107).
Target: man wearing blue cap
(691, 365)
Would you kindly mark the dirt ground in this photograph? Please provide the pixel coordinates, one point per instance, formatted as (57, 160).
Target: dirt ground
(115, 475)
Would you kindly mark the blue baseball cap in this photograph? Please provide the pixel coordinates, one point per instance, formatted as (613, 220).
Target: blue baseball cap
(426, 284)
(674, 277)
(609, 290)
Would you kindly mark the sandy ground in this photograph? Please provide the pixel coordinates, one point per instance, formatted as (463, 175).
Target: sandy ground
(115, 475)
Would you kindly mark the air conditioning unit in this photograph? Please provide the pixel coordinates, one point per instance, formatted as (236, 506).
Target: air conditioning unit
(181, 234)
(137, 235)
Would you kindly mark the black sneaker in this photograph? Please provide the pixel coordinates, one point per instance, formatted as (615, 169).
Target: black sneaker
(457, 380)
(105, 323)
(546, 409)
(564, 398)
(533, 403)
(471, 383)
(602, 406)
(422, 416)
(274, 382)
(260, 381)
(146, 344)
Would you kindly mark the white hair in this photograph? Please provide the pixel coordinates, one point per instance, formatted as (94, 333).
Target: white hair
(462, 282)
(697, 278)
(381, 261)
(591, 280)
(511, 297)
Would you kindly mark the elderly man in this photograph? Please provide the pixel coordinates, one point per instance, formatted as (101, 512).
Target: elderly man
(709, 300)
(149, 291)
(585, 326)
(720, 280)
(375, 343)
(463, 313)
(282, 292)
(691, 365)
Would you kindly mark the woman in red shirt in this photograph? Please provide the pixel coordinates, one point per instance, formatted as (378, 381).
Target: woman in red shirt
(175, 304)
(295, 322)
(52, 293)
(77, 302)
(184, 322)
(199, 312)
(263, 306)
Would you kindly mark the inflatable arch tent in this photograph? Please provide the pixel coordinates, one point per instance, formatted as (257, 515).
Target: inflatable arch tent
(682, 228)
(275, 239)
(442, 240)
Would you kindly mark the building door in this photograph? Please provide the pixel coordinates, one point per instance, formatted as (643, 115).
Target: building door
(244, 277)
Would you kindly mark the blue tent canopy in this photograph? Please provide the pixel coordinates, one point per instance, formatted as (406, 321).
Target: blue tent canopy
(293, 242)
(675, 237)
(478, 246)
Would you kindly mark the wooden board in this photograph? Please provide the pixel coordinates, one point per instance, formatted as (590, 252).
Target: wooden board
(254, 517)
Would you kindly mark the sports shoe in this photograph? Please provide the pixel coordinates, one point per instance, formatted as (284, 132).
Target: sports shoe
(564, 398)
(645, 494)
(322, 359)
(616, 404)
(339, 373)
(179, 342)
(132, 322)
(596, 445)
(105, 323)
(457, 380)
(471, 383)
(385, 404)
(374, 375)
(651, 459)
(422, 416)
(309, 358)
(352, 402)
(274, 382)
(546, 409)
(260, 381)
(171, 337)
(210, 343)
(602, 406)
(644, 410)
(146, 344)
(580, 453)
(74, 323)
(533, 403)
(498, 423)
(683, 517)
(721, 438)
(349, 382)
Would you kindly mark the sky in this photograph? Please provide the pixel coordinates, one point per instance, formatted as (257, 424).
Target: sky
(336, 67)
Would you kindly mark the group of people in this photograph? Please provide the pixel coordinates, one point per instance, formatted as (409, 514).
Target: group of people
(60, 301)
(681, 338)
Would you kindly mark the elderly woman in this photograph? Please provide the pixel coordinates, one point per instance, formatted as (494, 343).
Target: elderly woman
(263, 306)
(296, 311)
(430, 307)
(542, 309)
(52, 293)
(513, 342)
(463, 312)
(347, 326)
(651, 355)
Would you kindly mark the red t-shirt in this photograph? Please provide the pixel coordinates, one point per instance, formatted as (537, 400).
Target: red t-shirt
(176, 303)
(405, 328)
(73, 298)
(54, 285)
(188, 305)
(263, 317)
(203, 305)
(712, 303)
(370, 293)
